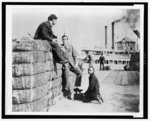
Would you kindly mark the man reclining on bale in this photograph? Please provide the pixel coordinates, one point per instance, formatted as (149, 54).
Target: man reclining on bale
(44, 32)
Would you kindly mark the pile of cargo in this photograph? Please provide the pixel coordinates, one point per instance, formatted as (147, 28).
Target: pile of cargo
(134, 64)
(36, 78)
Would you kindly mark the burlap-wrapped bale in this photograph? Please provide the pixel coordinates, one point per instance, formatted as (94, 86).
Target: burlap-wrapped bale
(57, 82)
(37, 78)
(56, 91)
(57, 66)
(31, 69)
(50, 102)
(50, 83)
(49, 66)
(26, 96)
(22, 107)
(57, 74)
(57, 98)
(31, 45)
(28, 82)
(49, 56)
(37, 105)
(45, 109)
(29, 57)
(22, 69)
(50, 98)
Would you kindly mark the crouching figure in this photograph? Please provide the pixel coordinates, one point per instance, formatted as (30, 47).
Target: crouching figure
(92, 94)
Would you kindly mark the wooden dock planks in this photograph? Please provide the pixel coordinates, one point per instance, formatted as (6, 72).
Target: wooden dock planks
(133, 77)
(121, 77)
(125, 78)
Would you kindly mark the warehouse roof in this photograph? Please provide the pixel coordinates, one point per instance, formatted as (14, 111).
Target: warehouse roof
(125, 39)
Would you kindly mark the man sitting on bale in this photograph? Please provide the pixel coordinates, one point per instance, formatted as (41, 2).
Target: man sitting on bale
(71, 66)
(44, 32)
(92, 94)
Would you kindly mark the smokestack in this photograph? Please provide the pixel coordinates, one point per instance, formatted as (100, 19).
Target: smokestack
(105, 36)
(113, 34)
(116, 21)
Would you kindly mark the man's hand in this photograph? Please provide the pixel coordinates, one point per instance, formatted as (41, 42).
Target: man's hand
(62, 48)
(55, 40)
(76, 66)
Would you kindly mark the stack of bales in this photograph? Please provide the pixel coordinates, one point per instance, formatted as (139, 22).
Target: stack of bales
(36, 79)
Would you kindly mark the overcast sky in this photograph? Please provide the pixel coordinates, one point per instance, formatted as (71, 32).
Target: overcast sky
(83, 25)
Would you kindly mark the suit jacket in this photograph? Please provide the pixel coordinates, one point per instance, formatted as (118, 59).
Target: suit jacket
(93, 89)
(44, 32)
(71, 54)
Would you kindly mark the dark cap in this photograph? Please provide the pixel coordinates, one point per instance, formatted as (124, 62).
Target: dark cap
(92, 68)
(52, 16)
(65, 36)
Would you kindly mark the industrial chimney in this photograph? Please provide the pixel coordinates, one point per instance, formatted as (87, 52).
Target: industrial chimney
(113, 23)
(113, 34)
(105, 36)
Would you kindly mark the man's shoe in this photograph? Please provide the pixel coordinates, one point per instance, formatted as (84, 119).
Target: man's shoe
(95, 101)
(78, 90)
(70, 96)
(66, 93)
(100, 99)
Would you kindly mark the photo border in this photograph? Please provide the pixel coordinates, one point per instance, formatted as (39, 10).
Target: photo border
(145, 71)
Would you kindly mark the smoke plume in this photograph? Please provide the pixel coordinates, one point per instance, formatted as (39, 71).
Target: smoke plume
(133, 18)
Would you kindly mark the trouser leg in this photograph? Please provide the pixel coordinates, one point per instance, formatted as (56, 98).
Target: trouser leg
(99, 97)
(100, 66)
(66, 76)
(90, 64)
(59, 55)
(88, 98)
(78, 75)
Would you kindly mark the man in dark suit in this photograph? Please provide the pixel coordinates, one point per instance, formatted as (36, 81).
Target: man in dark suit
(44, 32)
(92, 93)
(71, 66)
(102, 61)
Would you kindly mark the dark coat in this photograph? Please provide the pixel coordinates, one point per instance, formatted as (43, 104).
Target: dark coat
(102, 59)
(93, 89)
(44, 32)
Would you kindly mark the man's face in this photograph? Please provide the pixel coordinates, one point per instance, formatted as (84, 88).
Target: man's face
(54, 21)
(65, 40)
(90, 70)
(55, 40)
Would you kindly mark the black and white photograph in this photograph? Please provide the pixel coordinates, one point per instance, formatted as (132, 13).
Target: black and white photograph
(75, 60)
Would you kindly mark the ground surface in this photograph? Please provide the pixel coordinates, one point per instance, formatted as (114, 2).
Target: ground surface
(119, 89)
